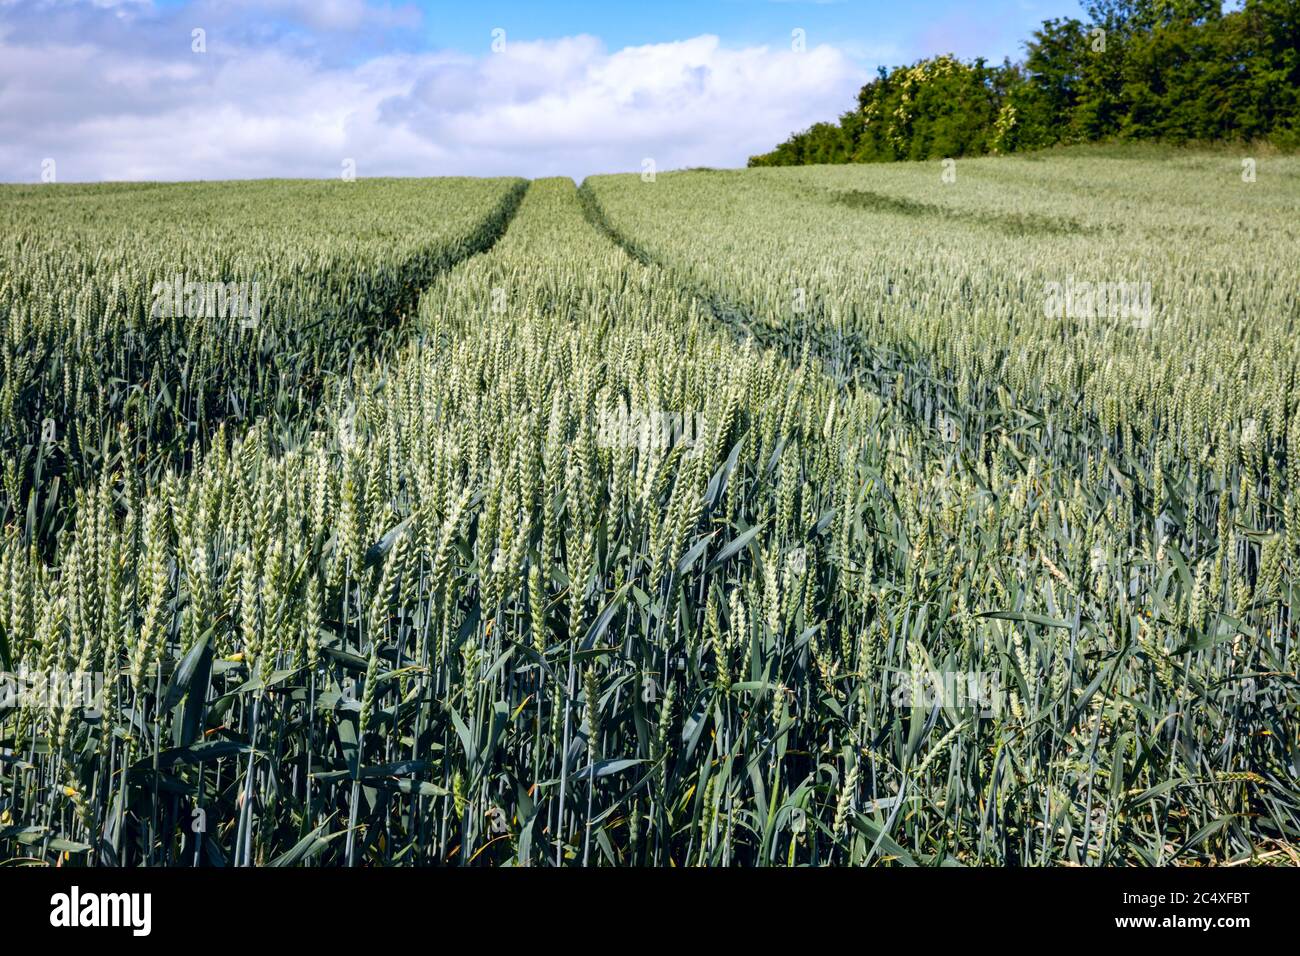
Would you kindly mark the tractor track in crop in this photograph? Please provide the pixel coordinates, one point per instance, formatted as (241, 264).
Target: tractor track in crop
(918, 393)
(58, 477)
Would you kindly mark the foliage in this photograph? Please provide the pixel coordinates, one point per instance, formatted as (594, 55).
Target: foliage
(469, 619)
(1174, 70)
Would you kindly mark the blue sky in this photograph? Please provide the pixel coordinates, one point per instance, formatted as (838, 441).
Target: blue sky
(120, 89)
(913, 28)
(907, 29)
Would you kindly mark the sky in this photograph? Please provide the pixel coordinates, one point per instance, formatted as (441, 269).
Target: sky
(94, 90)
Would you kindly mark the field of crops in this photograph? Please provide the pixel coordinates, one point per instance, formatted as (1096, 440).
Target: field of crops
(135, 318)
(886, 515)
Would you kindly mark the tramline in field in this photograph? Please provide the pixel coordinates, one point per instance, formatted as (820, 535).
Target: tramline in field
(136, 318)
(768, 517)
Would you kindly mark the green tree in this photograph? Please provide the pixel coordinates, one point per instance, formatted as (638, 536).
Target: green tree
(1174, 70)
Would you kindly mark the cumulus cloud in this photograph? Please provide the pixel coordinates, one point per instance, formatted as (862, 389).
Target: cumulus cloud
(114, 92)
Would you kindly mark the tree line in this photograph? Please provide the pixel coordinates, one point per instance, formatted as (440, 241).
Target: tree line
(1170, 70)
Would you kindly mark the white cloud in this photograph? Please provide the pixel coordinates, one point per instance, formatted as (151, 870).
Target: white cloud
(132, 104)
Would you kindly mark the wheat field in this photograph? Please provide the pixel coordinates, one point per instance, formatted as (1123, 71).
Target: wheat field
(907, 515)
